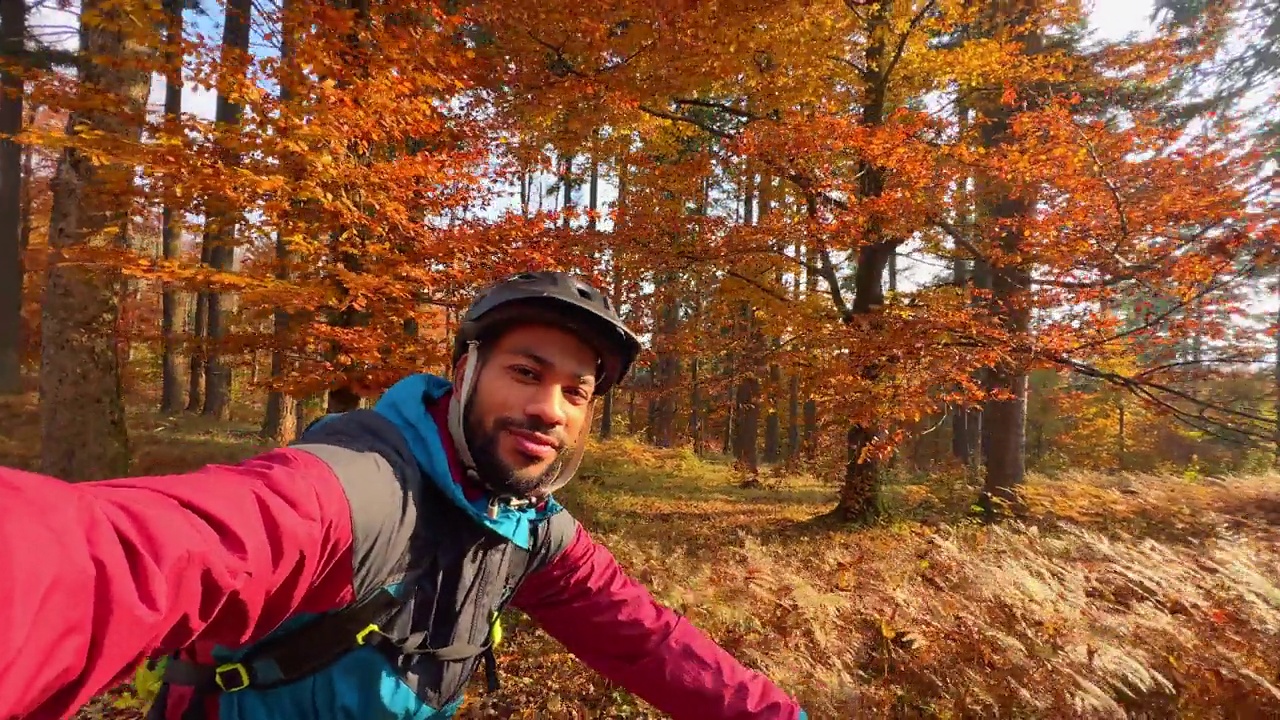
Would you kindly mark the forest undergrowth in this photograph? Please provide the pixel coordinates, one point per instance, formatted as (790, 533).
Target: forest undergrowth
(1121, 596)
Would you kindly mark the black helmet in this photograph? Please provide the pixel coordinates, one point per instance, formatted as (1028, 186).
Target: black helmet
(565, 300)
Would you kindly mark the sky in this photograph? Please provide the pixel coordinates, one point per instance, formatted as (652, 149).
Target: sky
(1113, 19)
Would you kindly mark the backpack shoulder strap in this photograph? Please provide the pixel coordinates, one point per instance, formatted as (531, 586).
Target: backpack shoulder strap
(548, 539)
(287, 656)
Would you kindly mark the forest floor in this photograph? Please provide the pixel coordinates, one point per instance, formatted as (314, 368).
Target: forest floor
(1121, 596)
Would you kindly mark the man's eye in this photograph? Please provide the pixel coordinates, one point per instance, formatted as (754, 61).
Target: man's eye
(525, 372)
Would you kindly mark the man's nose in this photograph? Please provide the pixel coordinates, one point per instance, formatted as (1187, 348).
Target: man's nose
(548, 405)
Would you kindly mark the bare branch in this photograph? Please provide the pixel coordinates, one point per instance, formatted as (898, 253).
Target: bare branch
(1117, 200)
(828, 273)
(862, 71)
(1148, 389)
(717, 106)
(902, 41)
(624, 61)
(673, 117)
(1230, 360)
(1161, 317)
(562, 61)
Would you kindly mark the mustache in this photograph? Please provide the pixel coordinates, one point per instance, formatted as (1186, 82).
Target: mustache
(535, 425)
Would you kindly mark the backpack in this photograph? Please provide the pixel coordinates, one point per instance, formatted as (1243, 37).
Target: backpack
(434, 623)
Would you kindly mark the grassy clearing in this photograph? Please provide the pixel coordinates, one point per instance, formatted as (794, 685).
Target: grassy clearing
(1124, 596)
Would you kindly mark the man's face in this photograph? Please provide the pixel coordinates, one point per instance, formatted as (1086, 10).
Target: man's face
(528, 406)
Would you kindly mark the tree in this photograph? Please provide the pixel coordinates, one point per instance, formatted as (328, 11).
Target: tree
(13, 33)
(171, 228)
(280, 422)
(1007, 210)
(221, 215)
(83, 432)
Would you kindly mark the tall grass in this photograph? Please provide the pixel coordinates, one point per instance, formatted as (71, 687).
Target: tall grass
(1120, 597)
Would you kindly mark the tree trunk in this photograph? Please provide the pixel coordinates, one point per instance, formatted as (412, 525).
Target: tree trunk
(1275, 458)
(566, 181)
(980, 439)
(606, 415)
(200, 342)
(860, 492)
(593, 191)
(728, 446)
(808, 442)
(235, 49)
(965, 421)
(607, 410)
(651, 414)
(13, 23)
(773, 423)
(525, 181)
(772, 395)
(342, 399)
(892, 271)
(859, 496)
(344, 314)
(1006, 466)
(1006, 418)
(793, 420)
(28, 194)
(697, 414)
(83, 432)
(171, 232)
(748, 425)
(667, 372)
(746, 411)
(280, 423)
(1121, 463)
(695, 405)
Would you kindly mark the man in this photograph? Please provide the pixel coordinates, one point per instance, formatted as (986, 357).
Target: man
(357, 573)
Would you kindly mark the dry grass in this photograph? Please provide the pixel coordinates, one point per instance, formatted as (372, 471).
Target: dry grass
(1082, 616)
(1124, 597)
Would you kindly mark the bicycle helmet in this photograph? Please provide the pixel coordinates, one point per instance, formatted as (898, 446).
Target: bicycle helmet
(561, 299)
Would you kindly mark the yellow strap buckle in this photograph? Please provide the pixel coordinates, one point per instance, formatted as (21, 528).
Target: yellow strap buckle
(362, 636)
(495, 629)
(231, 677)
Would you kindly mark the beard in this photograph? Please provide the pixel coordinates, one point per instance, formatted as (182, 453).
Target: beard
(497, 475)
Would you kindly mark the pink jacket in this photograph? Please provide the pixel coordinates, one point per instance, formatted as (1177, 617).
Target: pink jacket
(95, 577)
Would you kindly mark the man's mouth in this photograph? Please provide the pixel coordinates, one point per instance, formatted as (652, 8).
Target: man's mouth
(533, 444)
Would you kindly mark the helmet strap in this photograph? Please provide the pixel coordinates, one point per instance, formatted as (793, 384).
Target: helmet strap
(457, 407)
(570, 468)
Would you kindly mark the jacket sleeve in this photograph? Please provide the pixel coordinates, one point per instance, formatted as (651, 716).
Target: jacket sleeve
(583, 598)
(96, 576)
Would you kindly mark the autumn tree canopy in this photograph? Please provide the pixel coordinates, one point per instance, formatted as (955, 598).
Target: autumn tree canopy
(841, 226)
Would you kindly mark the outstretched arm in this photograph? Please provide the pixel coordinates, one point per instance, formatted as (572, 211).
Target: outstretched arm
(584, 599)
(96, 576)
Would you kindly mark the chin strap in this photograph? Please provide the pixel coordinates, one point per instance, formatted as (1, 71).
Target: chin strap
(569, 468)
(457, 407)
